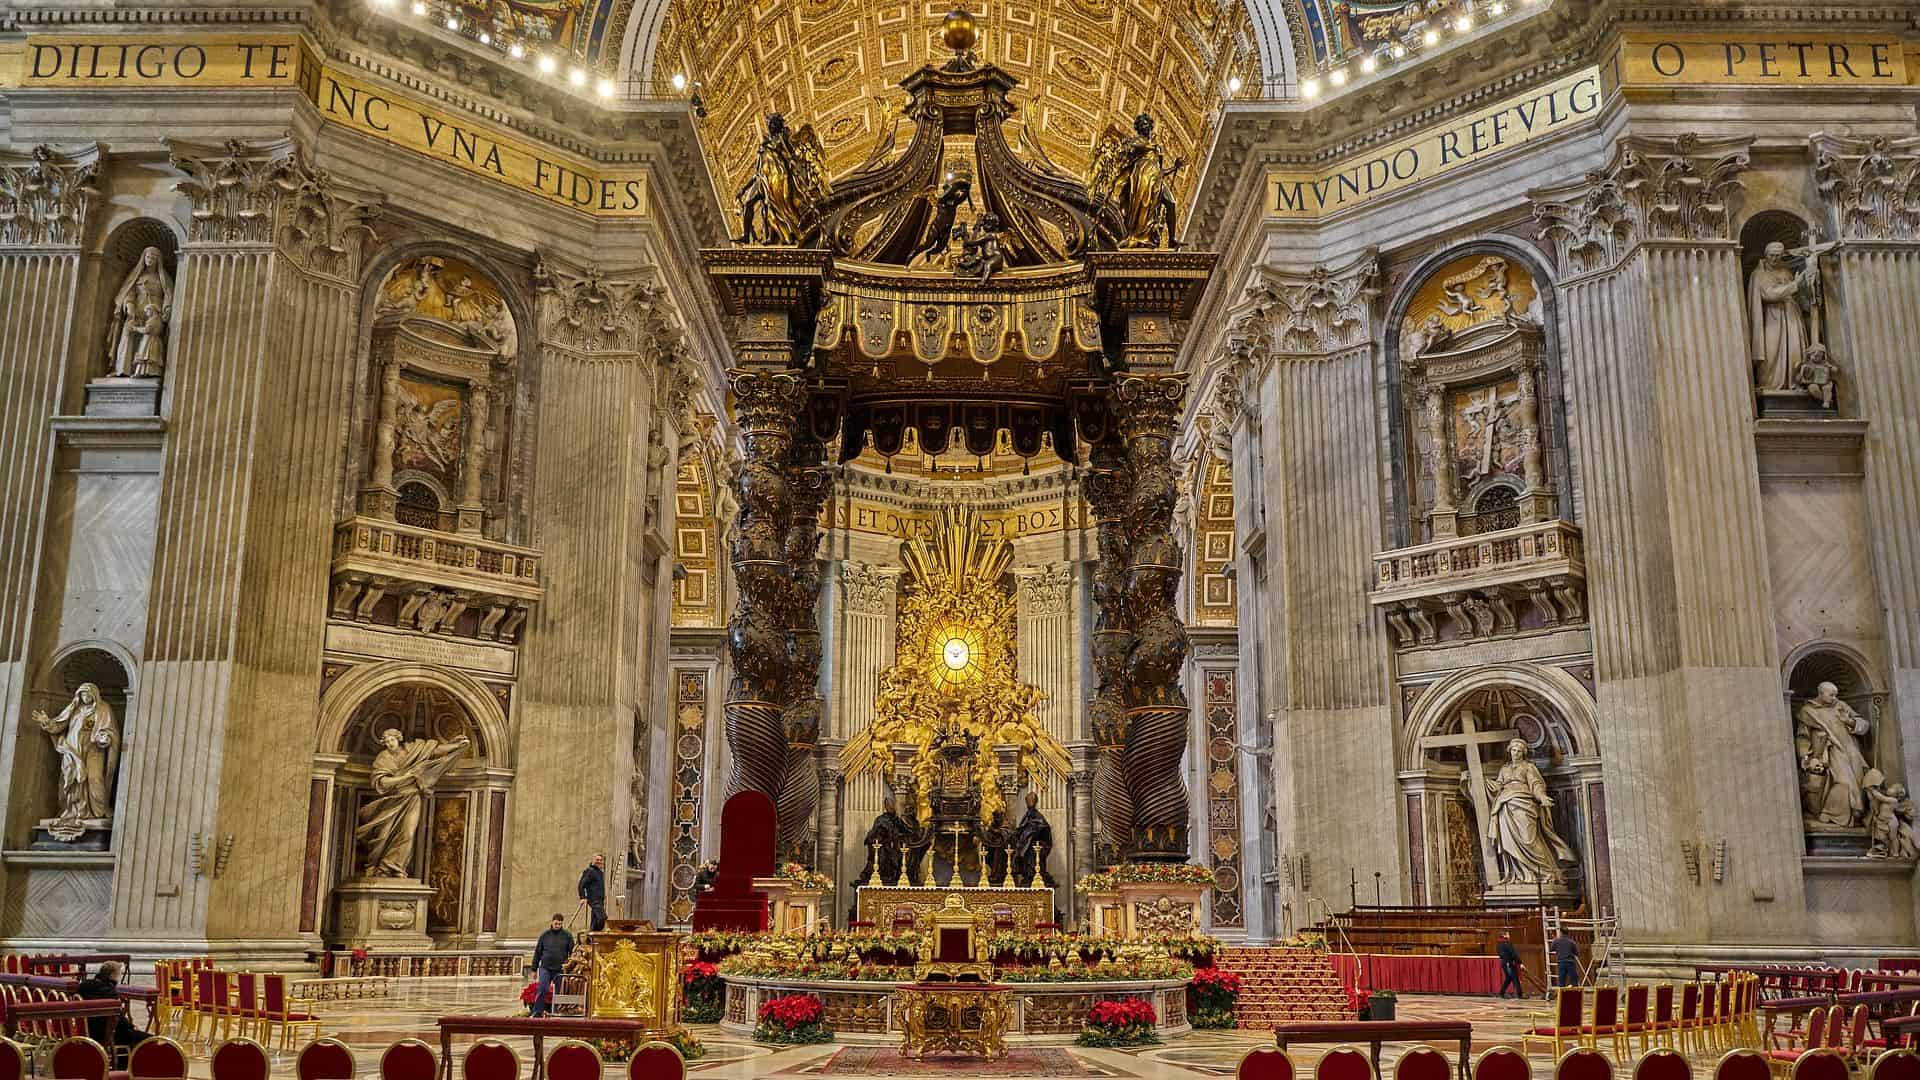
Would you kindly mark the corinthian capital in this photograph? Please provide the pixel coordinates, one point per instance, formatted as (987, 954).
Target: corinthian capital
(1319, 310)
(326, 228)
(45, 196)
(766, 402)
(1871, 185)
(235, 187)
(603, 313)
(1652, 189)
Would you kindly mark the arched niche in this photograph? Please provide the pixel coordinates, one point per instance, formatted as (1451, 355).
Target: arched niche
(1476, 417)
(439, 421)
(1843, 749)
(1455, 738)
(109, 669)
(459, 839)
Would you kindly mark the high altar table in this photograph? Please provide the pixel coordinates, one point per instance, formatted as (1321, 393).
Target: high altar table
(877, 903)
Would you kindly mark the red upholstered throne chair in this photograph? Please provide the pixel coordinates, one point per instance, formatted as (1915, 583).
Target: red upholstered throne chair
(746, 852)
(956, 949)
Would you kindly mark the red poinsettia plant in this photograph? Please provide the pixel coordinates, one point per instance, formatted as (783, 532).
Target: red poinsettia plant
(1120, 1022)
(1358, 999)
(1215, 991)
(792, 1018)
(705, 992)
(530, 994)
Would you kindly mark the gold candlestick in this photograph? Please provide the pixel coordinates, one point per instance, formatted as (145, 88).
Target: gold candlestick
(953, 878)
(1006, 872)
(900, 878)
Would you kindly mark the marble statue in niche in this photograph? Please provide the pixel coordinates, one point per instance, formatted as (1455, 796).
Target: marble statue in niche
(403, 777)
(1833, 770)
(1520, 824)
(87, 740)
(142, 310)
(1785, 313)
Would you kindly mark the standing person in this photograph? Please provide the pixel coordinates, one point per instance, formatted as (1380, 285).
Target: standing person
(1566, 956)
(110, 1031)
(1509, 967)
(550, 955)
(593, 891)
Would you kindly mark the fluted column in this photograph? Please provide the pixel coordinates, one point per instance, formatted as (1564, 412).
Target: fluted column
(1313, 463)
(266, 288)
(590, 666)
(1080, 833)
(1865, 182)
(48, 198)
(863, 648)
(1659, 395)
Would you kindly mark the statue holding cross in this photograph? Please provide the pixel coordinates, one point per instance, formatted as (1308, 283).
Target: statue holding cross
(1520, 852)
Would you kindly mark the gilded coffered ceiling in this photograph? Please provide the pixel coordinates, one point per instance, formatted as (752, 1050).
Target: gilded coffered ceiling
(1083, 65)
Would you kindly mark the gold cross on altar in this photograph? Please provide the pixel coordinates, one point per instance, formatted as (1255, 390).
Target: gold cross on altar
(1471, 739)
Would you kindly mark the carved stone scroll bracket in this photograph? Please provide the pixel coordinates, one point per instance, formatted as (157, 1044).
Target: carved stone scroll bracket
(1514, 581)
(1680, 188)
(1871, 186)
(235, 188)
(47, 195)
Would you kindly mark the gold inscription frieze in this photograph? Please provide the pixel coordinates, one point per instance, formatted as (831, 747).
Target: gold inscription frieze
(881, 520)
(1785, 59)
(342, 98)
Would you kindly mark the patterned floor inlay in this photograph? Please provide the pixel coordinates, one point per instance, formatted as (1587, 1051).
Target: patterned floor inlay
(886, 1061)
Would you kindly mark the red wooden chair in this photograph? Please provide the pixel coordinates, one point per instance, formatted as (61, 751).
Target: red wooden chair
(1423, 1063)
(77, 1057)
(1896, 1065)
(277, 1008)
(1639, 1021)
(408, 1059)
(1742, 1065)
(1564, 1025)
(13, 1062)
(1583, 1063)
(1727, 1032)
(324, 1059)
(1820, 1064)
(1260, 1063)
(157, 1058)
(1504, 1062)
(1689, 1025)
(1836, 1029)
(1662, 1064)
(1664, 1020)
(240, 1059)
(656, 1061)
(1709, 1032)
(1816, 1033)
(1856, 1032)
(1344, 1063)
(571, 1059)
(245, 1015)
(1606, 1021)
(489, 1059)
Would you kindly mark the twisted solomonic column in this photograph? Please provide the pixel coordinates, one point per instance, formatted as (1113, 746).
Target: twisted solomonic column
(1106, 489)
(766, 406)
(1147, 406)
(808, 480)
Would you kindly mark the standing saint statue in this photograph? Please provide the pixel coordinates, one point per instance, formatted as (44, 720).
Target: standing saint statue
(1826, 735)
(141, 310)
(1133, 172)
(1779, 296)
(88, 742)
(1520, 824)
(1032, 843)
(885, 841)
(403, 776)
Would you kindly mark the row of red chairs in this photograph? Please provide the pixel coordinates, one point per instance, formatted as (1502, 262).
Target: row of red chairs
(1828, 1029)
(1711, 1016)
(207, 1004)
(160, 1058)
(1580, 1063)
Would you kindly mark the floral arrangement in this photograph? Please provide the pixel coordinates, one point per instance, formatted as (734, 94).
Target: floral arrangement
(1124, 1022)
(803, 878)
(1316, 942)
(1131, 970)
(1215, 991)
(530, 993)
(1145, 874)
(690, 1048)
(792, 1019)
(755, 966)
(614, 1049)
(705, 992)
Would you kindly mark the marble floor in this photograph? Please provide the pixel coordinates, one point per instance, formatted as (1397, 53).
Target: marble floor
(369, 1025)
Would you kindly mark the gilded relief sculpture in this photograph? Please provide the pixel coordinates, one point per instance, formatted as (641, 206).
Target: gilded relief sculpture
(87, 740)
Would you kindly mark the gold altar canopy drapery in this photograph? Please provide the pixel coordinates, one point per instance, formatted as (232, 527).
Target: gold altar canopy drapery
(953, 673)
(940, 322)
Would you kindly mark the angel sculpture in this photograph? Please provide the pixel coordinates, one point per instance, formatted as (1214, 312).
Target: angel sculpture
(1131, 173)
(980, 254)
(786, 186)
(430, 432)
(938, 236)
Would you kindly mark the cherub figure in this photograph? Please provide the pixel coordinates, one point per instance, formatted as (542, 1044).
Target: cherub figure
(980, 254)
(1889, 822)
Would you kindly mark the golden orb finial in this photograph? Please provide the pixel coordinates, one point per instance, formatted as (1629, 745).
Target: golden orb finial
(959, 31)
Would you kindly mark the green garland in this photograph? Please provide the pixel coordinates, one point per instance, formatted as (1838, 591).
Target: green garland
(1145, 874)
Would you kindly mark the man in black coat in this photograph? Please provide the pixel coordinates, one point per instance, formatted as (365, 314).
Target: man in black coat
(1509, 967)
(593, 891)
(110, 1031)
(550, 956)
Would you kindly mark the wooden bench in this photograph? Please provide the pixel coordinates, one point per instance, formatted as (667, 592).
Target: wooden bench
(1375, 1032)
(539, 1027)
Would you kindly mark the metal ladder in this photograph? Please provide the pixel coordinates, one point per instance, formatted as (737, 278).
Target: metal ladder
(1607, 960)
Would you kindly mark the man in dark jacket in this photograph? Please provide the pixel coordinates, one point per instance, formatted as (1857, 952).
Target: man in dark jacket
(550, 955)
(1566, 954)
(113, 1031)
(593, 891)
(1509, 967)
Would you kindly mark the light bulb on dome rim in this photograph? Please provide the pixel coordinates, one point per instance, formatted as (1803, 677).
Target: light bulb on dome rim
(419, 9)
(1234, 84)
(516, 51)
(486, 38)
(1463, 24)
(1431, 37)
(1398, 51)
(1310, 88)
(454, 25)
(547, 64)
(577, 77)
(1497, 9)
(679, 81)
(1339, 77)
(1368, 64)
